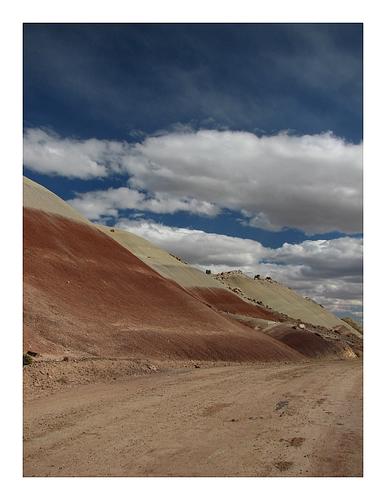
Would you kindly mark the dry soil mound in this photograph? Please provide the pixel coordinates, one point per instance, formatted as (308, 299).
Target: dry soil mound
(219, 290)
(86, 294)
(164, 263)
(282, 299)
(203, 286)
(226, 301)
(309, 343)
(94, 290)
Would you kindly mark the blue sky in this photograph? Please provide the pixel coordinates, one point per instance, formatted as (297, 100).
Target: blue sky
(118, 78)
(248, 131)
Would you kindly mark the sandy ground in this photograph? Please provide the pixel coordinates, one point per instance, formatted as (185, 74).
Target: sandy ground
(280, 420)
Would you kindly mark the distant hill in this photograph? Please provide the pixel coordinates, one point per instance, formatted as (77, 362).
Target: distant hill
(354, 324)
(101, 292)
(282, 299)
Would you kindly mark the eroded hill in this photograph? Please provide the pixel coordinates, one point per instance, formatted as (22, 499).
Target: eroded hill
(97, 292)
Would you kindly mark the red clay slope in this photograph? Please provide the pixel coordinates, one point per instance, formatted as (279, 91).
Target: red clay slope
(226, 301)
(310, 343)
(86, 294)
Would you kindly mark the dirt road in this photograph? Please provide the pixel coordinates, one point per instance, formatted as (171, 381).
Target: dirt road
(283, 420)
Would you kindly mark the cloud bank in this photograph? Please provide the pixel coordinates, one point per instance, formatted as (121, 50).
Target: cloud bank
(98, 204)
(328, 271)
(310, 182)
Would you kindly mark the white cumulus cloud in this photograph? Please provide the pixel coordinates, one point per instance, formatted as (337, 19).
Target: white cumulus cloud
(100, 204)
(309, 182)
(48, 153)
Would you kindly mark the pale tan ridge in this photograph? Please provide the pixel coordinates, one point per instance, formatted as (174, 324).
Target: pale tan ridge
(161, 261)
(40, 198)
(283, 299)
